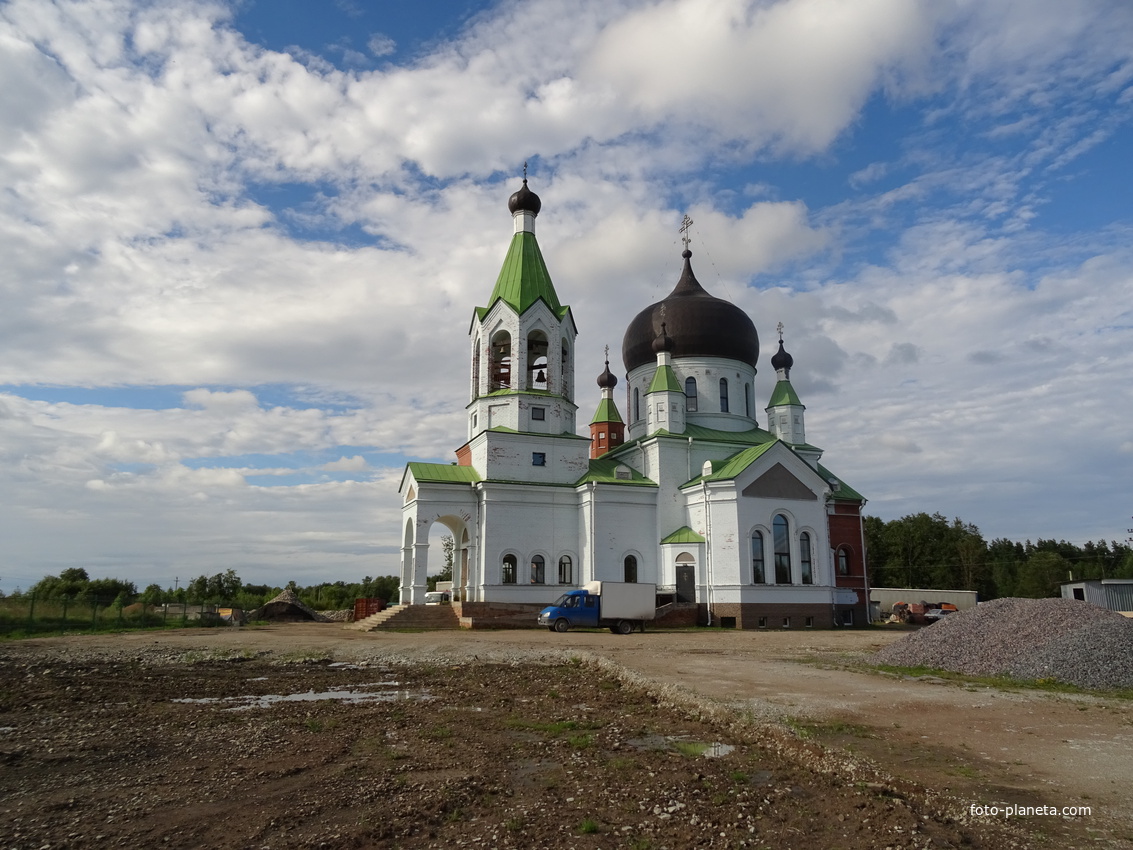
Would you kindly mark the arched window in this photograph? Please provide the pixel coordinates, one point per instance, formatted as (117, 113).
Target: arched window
(566, 570)
(843, 561)
(747, 400)
(805, 559)
(630, 569)
(501, 361)
(476, 368)
(538, 569)
(564, 372)
(782, 550)
(636, 404)
(509, 569)
(690, 395)
(723, 395)
(758, 573)
(537, 365)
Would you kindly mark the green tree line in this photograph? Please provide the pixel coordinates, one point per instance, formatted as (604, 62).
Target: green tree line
(920, 550)
(75, 585)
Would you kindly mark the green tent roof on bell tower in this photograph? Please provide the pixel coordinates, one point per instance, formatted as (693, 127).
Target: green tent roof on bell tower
(524, 279)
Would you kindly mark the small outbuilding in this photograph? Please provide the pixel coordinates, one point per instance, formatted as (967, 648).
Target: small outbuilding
(1116, 594)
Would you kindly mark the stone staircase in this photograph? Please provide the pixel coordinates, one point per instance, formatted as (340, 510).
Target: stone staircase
(410, 617)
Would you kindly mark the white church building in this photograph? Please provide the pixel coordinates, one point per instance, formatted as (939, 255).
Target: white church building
(737, 523)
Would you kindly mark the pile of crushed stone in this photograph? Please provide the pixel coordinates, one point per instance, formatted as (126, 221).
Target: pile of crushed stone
(1062, 639)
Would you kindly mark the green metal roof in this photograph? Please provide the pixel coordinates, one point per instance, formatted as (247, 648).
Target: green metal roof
(443, 473)
(607, 412)
(754, 437)
(524, 279)
(603, 470)
(845, 493)
(684, 534)
(784, 393)
(665, 381)
(734, 465)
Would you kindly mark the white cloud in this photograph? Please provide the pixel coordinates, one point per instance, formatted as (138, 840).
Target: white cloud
(952, 351)
(794, 74)
(234, 401)
(380, 44)
(346, 464)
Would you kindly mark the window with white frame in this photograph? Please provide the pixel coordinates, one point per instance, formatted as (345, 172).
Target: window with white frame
(566, 570)
(507, 574)
(782, 536)
(758, 570)
(843, 561)
(805, 559)
(630, 569)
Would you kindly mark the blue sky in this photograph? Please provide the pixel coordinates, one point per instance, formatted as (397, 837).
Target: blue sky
(243, 241)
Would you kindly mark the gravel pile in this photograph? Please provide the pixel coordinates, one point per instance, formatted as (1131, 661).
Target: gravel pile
(1061, 639)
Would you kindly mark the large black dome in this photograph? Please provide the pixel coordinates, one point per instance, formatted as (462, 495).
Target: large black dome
(700, 325)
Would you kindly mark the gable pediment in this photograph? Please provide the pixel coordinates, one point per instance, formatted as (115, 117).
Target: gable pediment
(779, 483)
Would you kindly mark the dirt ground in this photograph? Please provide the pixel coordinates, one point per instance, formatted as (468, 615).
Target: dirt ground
(524, 739)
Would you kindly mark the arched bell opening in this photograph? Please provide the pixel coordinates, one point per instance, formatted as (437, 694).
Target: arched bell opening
(565, 371)
(476, 368)
(500, 369)
(538, 368)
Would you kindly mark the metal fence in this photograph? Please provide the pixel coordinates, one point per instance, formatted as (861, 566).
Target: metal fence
(27, 614)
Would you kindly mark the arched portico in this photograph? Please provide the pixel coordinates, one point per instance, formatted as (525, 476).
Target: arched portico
(415, 555)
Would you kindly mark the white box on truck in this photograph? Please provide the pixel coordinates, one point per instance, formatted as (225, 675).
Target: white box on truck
(625, 601)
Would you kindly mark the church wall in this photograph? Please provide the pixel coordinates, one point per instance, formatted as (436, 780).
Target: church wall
(758, 514)
(722, 529)
(525, 521)
(619, 521)
(511, 457)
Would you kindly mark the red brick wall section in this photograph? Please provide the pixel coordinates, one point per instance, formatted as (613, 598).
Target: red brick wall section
(464, 456)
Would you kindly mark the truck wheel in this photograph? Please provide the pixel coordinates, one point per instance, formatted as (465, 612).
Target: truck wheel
(562, 624)
(624, 627)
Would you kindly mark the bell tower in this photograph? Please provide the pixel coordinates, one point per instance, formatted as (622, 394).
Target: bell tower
(523, 341)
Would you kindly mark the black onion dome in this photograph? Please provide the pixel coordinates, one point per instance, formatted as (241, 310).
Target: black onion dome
(663, 342)
(700, 325)
(607, 380)
(524, 199)
(781, 359)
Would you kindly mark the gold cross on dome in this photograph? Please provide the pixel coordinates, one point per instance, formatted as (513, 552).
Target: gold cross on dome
(685, 225)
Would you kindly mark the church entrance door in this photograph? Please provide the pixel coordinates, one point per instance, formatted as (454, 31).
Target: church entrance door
(686, 583)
